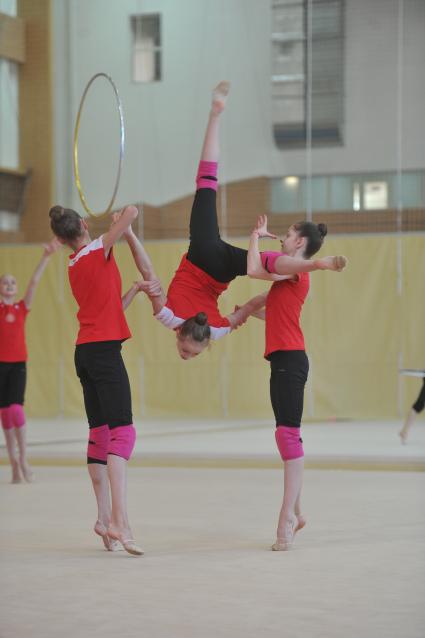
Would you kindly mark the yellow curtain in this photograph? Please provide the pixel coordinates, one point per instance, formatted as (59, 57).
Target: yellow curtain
(360, 327)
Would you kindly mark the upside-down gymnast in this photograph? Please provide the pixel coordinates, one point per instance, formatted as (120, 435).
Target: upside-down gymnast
(190, 306)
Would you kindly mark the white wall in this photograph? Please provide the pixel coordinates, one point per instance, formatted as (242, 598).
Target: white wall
(371, 93)
(205, 41)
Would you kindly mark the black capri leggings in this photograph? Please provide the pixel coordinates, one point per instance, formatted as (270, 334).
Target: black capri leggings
(419, 404)
(106, 388)
(289, 372)
(13, 379)
(207, 250)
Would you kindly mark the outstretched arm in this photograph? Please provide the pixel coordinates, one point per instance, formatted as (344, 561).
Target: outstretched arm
(49, 249)
(151, 288)
(285, 266)
(241, 314)
(128, 297)
(260, 314)
(293, 265)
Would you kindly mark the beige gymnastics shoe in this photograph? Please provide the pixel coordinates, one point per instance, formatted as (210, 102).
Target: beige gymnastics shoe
(111, 545)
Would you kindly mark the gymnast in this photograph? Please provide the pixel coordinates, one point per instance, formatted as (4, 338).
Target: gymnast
(285, 350)
(96, 285)
(190, 306)
(13, 367)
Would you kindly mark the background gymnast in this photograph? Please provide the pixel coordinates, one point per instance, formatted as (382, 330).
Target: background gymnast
(416, 408)
(13, 358)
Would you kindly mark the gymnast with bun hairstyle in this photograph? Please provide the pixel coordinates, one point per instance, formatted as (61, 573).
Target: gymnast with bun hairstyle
(190, 306)
(285, 350)
(96, 285)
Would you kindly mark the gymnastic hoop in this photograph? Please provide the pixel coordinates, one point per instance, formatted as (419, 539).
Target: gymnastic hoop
(76, 131)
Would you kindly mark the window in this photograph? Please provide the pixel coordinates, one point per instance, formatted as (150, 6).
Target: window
(356, 192)
(147, 52)
(291, 89)
(375, 195)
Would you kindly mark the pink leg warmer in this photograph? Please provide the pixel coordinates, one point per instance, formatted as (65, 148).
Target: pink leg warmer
(97, 447)
(206, 170)
(17, 415)
(6, 421)
(289, 442)
(122, 441)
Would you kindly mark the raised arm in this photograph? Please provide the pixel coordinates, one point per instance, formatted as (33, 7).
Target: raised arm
(151, 284)
(49, 249)
(255, 268)
(140, 256)
(121, 222)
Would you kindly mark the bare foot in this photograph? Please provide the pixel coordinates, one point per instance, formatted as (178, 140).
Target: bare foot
(285, 536)
(301, 522)
(403, 437)
(16, 474)
(28, 473)
(110, 544)
(219, 96)
(125, 537)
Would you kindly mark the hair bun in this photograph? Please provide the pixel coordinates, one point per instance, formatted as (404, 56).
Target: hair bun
(201, 318)
(56, 212)
(323, 230)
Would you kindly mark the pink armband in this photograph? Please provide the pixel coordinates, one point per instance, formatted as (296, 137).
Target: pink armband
(268, 259)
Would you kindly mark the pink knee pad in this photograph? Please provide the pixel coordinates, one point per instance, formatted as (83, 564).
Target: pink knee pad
(205, 170)
(122, 441)
(6, 421)
(98, 444)
(17, 415)
(289, 442)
